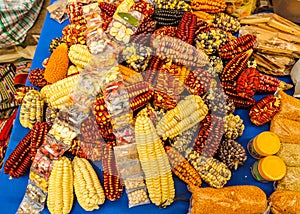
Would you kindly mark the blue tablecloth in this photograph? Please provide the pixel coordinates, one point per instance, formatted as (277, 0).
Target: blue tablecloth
(12, 191)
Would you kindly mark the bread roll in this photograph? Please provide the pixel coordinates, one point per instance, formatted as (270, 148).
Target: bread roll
(285, 202)
(228, 200)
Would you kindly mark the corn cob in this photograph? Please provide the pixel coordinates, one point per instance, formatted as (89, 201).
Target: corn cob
(113, 187)
(173, 5)
(87, 187)
(145, 8)
(36, 77)
(19, 160)
(21, 92)
(208, 6)
(187, 27)
(206, 17)
(139, 94)
(269, 83)
(75, 13)
(179, 51)
(226, 22)
(32, 109)
(103, 119)
(57, 66)
(92, 150)
(107, 8)
(234, 126)
(167, 17)
(76, 149)
(73, 70)
(74, 34)
(183, 143)
(60, 190)
(237, 46)
(145, 28)
(182, 168)
(208, 140)
(209, 41)
(212, 171)
(79, 55)
(129, 76)
(54, 44)
(57, 95)
(235, 66)
(198, 82)
(185, 115)
(247, 82)
(154, 163)
(264, 110)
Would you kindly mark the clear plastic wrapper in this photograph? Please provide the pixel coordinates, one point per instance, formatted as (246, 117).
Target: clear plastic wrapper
(291, 180)
(41, 165)
(35, 193)
(229, 200)
(290, 154)
(53, 148)
(137, 197)
(58, 10)
(295, 76)
(38, 180)
(285, 202)
(286, 129)
(28, 206)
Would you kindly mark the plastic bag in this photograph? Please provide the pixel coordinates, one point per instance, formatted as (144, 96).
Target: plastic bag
(291, 180)
(285, 202)
(290, 154)
(58, 10)
(229, 200)
(295, 76)
(287, 130)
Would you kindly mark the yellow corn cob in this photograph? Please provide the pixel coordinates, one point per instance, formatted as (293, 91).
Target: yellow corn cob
(74, 70)
(154, 162)
(130, 76)
(31, 109)
(60, 190)
(88, 189)
(57, 95)
(208, 6)
(185, 115)
(183, 73)
(79, 55)
(204, 16)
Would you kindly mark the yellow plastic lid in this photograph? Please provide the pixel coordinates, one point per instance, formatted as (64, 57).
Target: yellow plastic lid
(266, 143)
(272, 168)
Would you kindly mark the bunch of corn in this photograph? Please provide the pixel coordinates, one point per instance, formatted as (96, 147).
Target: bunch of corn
(185, 115)
(79, 55)
(87, 187)
(212, 171)
(57, 95)
(182, 168)
(154, 162)
(31, 109)
(60, 190)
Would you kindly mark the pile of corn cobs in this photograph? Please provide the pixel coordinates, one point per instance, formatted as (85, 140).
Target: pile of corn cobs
(183, 67)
